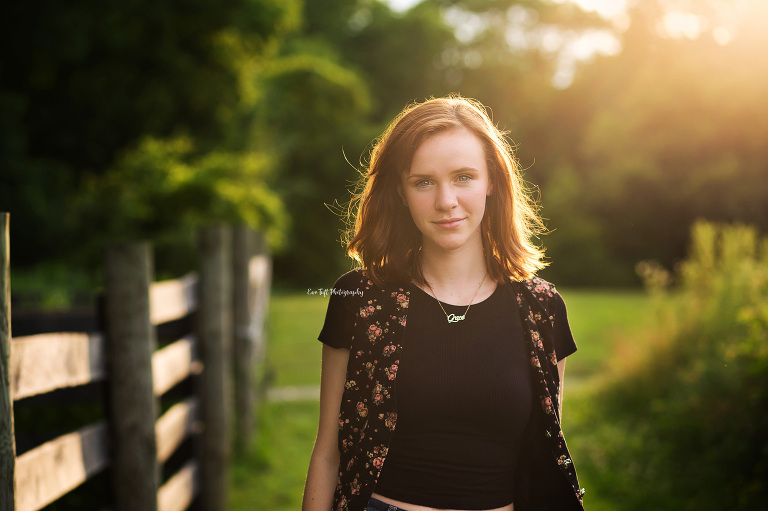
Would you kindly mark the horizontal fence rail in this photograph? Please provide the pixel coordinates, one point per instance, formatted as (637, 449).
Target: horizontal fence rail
(174, 426)
(56, 467)
(177, 494)
(45, 362)
(174, 364)
(170, 300)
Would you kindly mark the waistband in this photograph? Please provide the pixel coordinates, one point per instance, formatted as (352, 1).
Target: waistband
(378, 505)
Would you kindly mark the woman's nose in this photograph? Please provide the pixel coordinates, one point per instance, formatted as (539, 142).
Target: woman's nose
(446, 198)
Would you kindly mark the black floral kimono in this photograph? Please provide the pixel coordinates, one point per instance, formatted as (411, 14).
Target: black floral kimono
(546, 479)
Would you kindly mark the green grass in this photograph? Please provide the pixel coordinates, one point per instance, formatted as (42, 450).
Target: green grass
(293, 351)
(602, 322)
(270, 475)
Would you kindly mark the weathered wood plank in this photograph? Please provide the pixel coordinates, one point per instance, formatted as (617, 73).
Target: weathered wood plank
(133, 406)
(176, 424)
(7, 442)
(53, 469)
(179, 491)
(46, 362)
(172, 299)
(174, 363)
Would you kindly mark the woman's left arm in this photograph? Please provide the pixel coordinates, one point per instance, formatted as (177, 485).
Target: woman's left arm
(561, 372)
(564, 345)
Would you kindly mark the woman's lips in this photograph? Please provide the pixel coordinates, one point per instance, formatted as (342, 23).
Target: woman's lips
(451, 223)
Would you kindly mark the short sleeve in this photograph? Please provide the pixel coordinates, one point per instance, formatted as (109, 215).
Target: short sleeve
(563, 338)
(340, 315)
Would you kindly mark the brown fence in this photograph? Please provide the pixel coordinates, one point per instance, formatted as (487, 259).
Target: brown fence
(218, 315)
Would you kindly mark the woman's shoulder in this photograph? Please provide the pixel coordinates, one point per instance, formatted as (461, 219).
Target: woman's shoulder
(357, 280)
(355, 284)
(540, 287)
(355, 292)
(545, 293)
(360, 281)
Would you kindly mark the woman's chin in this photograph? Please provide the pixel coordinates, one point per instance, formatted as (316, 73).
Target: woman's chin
(447, 244)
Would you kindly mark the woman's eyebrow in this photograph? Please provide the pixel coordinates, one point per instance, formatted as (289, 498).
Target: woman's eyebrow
(462, 170)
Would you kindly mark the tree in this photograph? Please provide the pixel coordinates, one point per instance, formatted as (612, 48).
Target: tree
(668, 131)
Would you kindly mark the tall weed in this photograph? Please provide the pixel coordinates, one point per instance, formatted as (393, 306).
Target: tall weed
(686, 428)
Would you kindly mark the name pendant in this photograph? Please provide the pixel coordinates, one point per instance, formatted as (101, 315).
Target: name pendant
(455, 318)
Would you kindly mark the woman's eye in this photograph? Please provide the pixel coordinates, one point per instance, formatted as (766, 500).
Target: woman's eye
(464, 178)
(422, 183)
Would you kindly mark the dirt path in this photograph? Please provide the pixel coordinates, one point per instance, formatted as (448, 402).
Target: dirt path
(295, 393)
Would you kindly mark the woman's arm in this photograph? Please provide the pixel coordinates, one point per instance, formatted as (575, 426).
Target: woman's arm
(324, 463)
(561, 372)
(564, 344)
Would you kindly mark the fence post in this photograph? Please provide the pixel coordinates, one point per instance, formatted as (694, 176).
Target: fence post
(133, 407)
(242, 250)
(7, 442)
(215, 335)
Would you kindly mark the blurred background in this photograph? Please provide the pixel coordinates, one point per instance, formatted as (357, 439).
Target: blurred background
(143, 119)
(642, 125)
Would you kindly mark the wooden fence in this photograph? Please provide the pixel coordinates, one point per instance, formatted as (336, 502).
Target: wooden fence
(225, 303)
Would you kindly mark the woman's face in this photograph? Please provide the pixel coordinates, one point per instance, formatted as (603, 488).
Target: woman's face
(445, 189)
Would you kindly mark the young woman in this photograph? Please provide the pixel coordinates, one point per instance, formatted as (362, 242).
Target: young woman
(443, 356)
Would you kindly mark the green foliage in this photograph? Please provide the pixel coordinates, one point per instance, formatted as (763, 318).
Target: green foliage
(577, 232)
(686, 426)
(665, 132)
(129, 119)
(322, 113)
(162, 188)
(668, 130)
(52, 286)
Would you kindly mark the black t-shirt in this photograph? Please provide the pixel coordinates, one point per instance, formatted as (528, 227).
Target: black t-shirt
(464, 397)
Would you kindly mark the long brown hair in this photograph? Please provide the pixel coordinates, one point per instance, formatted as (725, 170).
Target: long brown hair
(385, 241)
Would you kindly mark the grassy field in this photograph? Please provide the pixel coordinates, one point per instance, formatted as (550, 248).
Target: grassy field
(270, 475)
(603, 322)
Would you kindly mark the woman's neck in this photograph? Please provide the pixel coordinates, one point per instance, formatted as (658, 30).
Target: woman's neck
(455, 276)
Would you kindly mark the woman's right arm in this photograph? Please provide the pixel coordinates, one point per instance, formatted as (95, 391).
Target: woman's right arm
(324, 464)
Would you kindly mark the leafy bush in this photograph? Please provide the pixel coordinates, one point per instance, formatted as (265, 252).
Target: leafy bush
(685, 425)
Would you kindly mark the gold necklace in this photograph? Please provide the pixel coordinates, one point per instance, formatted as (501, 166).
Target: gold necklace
(454, 318)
